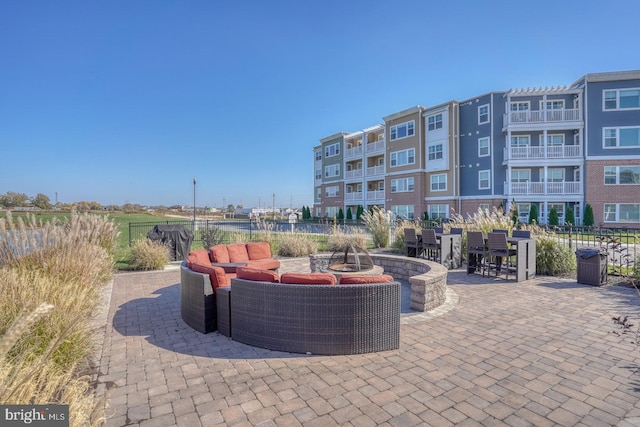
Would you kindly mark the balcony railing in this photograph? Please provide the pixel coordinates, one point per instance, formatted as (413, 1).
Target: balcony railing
(375, 170)
(375, 195)
(543, 152)
(353, 173)
(544, 188)
(541, 116)
(350, 197)
(353, 152)
(375, 146)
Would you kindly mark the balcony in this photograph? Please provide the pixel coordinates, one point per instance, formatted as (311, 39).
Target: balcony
(375, 195)
(543, 152)
(353, 197)
(375, 170)
(353, 152)
(543, 188)
(353, 173)
(565, 118)
(375, 146)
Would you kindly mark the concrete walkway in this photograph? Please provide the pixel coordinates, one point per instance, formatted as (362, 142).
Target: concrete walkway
(535, 353)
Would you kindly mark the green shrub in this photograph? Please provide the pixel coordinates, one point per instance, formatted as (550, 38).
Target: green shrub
(296, 245)
(588, 219)
(211, 236)
(553, 258)
(379, 226)
(146, 254)
(553, 217)
(533, 214)
(569, 217)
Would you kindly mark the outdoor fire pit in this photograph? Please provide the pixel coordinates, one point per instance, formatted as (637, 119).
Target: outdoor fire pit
(352, 260)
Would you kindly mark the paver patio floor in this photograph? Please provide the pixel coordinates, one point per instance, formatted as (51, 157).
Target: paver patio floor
(537, 353)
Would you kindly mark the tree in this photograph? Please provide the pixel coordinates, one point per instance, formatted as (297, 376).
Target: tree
(569, 217)
(41, 201)
(340, 215)
(359, 212)
(533, 214)
(425, 216)
(12, 200)
(588, 219)
(349, 215)
(553, 217)
(514, 213)
(95, 206)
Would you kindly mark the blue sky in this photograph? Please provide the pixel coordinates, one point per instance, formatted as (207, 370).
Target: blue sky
(127, 101)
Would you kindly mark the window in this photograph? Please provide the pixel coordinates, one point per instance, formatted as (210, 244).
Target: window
(331, 171)
(555, 175)
(484, 182)
(621, 99)
(318, 193)
(318, 173)
(519, 106)
(332, 211)
(332, 191)
(402, 130)
(520, 140)
(483, 114)
(559, 207)
(402, 185)
(484, 206)
(439, 182)
(434, 122)
(484, 147)
(556, 104)
(553, 139)
(622, 212)
(332, 150)
(403, 211)
(438, 211)
(621, 175)
(435, 152)
(520, 175)
(318, 154)
(404, 157)
(621, 137)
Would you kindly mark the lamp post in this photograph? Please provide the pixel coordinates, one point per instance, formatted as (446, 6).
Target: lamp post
(194, 202)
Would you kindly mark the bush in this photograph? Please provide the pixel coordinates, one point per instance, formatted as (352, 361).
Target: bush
(211, 236)
(350, 236)
(533, 214)
(296, 245)
(553, 217)
(553, 258)
(398, 233)
(588, 219)
(379, 226)
(146, 254)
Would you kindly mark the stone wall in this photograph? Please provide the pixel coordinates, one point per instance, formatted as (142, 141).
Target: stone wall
(428, 279)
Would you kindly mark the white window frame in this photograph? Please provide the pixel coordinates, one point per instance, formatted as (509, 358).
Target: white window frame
(438, 211)
(544, 105)
(480, 114)
(613, 209)
(520, 175)
(332, 150)
(438, 182)
(616, 137)
(409, 154)
(318, 155)
(434, 153)
(407, 211)
(550, 139)
(518, 139)
(481, 146)
(331, 211)
(519, 106)
(616, 99)
(403, 185)
(614, 171)
(332, 191)
(331, 171)
(551, 171)
(434, 122)
(318, 174)
(318, 193)
(488, 179)
(409, 131)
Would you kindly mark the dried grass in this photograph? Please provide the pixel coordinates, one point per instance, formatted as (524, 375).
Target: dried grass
(146, 254)
(347, 236)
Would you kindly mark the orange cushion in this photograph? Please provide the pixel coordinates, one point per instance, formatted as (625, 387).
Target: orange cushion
(199, 256)
(258, 250)
(237, 253)
(257, 274)
(308, 278)
(218, 253)
(359, 280)
(265, 264)
(218, 278)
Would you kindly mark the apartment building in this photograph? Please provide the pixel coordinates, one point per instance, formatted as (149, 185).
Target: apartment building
(556, 148)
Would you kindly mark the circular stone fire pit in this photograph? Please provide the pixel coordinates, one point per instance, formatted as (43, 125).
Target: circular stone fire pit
(352, 260)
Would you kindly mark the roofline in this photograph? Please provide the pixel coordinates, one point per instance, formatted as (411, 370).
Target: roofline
(429, 110)
(609, 76)
(493, 92)
(334, 136)
(412, 110)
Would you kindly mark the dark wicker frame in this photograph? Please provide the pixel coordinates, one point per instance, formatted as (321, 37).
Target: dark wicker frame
(316, 319)
(197, 300)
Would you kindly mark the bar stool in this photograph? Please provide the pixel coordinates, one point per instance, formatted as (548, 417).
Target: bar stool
(476, 252)
(411, 244)
(430, 245)
(499, 248)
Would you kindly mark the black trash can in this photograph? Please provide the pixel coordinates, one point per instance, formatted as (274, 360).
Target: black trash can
(176, 237)
(592, 266)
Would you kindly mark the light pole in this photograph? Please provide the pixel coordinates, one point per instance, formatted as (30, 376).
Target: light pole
(273, 206)
(194, 202)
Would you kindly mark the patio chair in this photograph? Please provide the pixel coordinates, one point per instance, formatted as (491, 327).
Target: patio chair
(497, 230)
(456, 231)
(411, 243)
(476, 252)
(430, 245)
(500, 251)
(521, 233)
(439, 230)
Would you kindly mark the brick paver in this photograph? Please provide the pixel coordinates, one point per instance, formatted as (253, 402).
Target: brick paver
(539, 352)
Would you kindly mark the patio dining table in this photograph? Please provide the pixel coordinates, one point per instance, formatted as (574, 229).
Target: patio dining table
(525, 256)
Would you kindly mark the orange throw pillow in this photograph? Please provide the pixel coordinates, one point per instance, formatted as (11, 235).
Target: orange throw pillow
(219, 253)
(360, 280)
(258, 250)
(308, 278)
(257, 274)
(216, 274)
(237, 252)
(199, 256)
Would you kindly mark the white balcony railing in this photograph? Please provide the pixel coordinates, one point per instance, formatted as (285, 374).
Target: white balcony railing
(353, 152)
(353, 173)
(543, 152)
(350, 197)
(375, 146)
(375, 170)
(542, 188)
(375, 195)
(541, 116)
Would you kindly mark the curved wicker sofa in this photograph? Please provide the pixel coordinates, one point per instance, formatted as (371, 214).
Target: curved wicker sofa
(316, 319)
